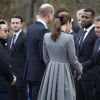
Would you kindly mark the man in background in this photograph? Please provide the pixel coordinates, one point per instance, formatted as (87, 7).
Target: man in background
(17, 53)
(84, 49)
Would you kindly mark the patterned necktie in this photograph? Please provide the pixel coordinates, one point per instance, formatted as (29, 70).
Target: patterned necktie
(81, 38)
(12, 41)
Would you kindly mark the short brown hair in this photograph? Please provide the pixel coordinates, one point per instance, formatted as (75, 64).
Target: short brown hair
(45, 9)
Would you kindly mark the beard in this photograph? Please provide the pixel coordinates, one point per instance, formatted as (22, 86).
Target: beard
(87, 25)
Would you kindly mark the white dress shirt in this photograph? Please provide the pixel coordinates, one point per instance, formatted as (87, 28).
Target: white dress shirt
(39, 20)
(87, 31)
(17, 34)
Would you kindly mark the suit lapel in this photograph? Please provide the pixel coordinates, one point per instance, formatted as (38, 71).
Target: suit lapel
(9, 42)
(88, 37)
(79, 36)
(17, 42)
(77, 42)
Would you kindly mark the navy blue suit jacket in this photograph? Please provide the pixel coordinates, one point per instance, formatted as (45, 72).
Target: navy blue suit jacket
(35, 65)
(17, 55)
(85, 52)
(75, 27)
(94, 62)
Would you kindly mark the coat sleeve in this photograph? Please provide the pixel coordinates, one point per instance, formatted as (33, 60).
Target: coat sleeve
(41, 42)
(72, 55)
(88, 64)
(5, 70)
(92, 61)
(45, 54)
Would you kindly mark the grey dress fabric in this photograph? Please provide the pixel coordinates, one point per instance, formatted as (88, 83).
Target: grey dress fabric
(58, 83)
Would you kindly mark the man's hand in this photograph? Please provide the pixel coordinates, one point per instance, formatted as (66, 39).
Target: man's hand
(13, 81)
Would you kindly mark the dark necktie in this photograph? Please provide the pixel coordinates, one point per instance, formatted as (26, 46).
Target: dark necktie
(99, 46)
(12, 41)
(81, 38)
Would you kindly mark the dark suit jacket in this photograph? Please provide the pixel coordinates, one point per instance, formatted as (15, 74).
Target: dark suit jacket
(85, 52)
(18, 55)
(5, 71)
(94, 64)
(35, 66)
(75, 27)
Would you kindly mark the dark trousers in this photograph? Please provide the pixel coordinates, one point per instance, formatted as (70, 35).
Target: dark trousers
(85, 90)
(18, 91)
(97, 89)
(3, 95)
(33, 89)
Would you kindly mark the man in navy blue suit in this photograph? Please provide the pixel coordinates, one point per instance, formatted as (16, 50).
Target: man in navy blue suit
(17, 53)
(35, 66)
(94, 62)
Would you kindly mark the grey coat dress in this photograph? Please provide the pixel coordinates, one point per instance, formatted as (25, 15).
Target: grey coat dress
(58, 83)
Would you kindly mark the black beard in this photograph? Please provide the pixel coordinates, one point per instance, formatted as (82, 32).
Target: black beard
(88, 25)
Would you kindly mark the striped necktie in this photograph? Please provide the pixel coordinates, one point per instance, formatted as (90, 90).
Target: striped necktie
(12, 41)
(81, 38)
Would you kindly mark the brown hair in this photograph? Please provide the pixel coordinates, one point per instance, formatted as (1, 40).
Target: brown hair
(45, 9)
(61, 19)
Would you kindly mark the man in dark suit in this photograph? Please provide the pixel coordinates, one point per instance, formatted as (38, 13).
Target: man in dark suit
(6, 75)
(84, 48)
(35, 65)
(94, 62)
(17, 52)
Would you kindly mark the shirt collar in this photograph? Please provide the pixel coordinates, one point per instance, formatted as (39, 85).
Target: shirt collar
(17, 33)
(39, 20)
(89, 28)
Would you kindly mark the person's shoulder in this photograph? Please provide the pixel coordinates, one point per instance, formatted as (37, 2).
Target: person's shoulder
(97, 40)
(66, 35)
(47, 34)
(35, 25)
(23, 32)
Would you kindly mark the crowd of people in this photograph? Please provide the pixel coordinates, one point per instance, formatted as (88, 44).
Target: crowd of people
(58, 64)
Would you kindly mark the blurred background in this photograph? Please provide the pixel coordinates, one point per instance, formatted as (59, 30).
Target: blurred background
(28, 8)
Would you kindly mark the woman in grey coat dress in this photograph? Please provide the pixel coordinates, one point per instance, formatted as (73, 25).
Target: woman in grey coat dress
(59, 54)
